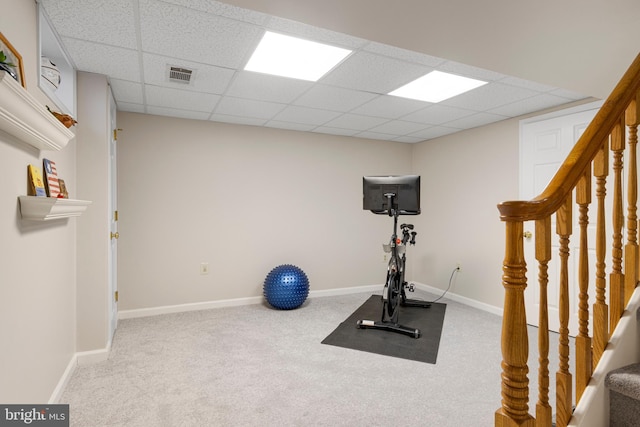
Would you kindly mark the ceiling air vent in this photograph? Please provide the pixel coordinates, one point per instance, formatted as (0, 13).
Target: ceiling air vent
(180, 75)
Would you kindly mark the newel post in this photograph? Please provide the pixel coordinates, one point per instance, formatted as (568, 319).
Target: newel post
(515, 344)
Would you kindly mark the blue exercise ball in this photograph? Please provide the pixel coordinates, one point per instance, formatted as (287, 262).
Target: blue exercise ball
(286, 287)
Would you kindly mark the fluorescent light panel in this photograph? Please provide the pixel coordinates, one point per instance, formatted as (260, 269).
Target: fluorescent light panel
(437, 86)
(293, 57)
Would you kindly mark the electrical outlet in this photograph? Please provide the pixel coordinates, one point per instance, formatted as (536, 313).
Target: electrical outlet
(204, 268)
(384, 258)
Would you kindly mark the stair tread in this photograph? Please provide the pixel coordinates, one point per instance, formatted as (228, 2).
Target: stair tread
(625, 380)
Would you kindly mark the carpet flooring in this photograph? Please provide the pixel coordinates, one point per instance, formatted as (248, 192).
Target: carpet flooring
(255, 366)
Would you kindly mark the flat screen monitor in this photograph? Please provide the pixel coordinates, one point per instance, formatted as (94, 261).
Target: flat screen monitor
(403, 191)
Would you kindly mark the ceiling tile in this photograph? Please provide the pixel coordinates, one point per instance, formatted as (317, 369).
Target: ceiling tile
(437, 114)
(355, 122)
(527, 84)
(223, 9)
(390, 106)
(434, 132)
(200, 37)
(333, 98)
(479, 119)
(126, 91)
(206, 78)
(335, 131)
(573, 96)
(180, 99)
(116, 62)
(375, 135)
(373, 73)
(264, 87)
(398, 127)
(132, 108)
(109, 22)
(408, 139)
(535, 103)
(289, 126)
(248, 108)
(304, 115)
(489, 96)
(173, 112)
(237, 120)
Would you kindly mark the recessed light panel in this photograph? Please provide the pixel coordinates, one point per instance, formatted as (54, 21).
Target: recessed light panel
(437, 86)
(293, 57)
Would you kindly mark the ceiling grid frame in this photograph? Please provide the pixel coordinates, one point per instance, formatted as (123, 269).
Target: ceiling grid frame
(363, 79)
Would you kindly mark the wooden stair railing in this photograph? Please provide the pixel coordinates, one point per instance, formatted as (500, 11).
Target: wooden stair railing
(605, 136)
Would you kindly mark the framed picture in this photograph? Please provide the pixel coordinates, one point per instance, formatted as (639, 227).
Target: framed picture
(11, 61)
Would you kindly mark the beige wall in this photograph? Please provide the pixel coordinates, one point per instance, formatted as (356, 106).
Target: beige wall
(37, 260)
(244, 199)
(464, 177)
(93, 227)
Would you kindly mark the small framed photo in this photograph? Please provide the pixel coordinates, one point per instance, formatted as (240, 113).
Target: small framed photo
(11, 61)
(64, 193)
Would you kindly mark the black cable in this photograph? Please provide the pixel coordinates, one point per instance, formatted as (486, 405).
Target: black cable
(447, 290)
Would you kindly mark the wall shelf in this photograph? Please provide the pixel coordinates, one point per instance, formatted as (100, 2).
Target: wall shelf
(48, 208)
(22, 116)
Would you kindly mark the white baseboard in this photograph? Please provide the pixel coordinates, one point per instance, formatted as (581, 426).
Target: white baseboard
(462, 300)
(93, 356)
(64, 380)
(179, 308)
(345, 291)
(78, 359)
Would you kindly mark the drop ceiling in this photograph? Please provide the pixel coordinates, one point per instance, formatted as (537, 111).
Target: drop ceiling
(135, 42)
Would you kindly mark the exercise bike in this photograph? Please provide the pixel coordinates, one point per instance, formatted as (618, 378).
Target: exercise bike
(394, 291)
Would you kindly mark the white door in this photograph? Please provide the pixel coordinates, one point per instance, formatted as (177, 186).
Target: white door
(545, 142)
(113, 209)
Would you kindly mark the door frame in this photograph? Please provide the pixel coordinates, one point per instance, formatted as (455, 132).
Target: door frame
(113, 219)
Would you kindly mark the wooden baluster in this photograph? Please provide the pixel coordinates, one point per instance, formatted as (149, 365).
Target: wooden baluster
(515, 345)
(564, 399)
(616, 280)
(543, 255)
(600, 308)
(583, 341)
(631, 248)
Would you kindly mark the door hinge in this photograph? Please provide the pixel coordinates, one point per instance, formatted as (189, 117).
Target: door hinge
(115, 134)
(115, 295)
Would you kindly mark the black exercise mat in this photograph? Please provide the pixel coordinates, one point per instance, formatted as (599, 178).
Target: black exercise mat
(423, 349)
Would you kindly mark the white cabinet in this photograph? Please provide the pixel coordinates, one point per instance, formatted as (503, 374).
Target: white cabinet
(64, 95)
